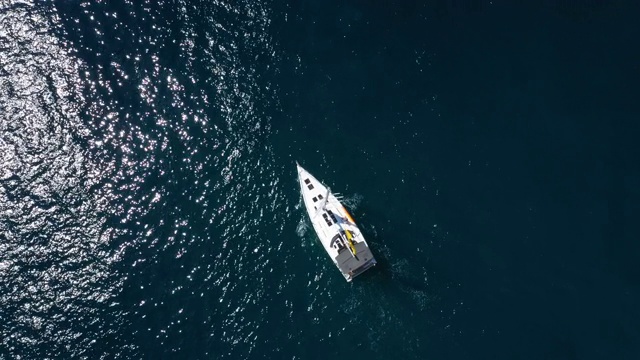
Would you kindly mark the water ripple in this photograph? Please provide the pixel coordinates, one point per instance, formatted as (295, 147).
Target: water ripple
(132, 166)
(56, 262)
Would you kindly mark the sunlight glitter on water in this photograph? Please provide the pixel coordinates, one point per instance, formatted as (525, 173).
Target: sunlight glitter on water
(126, 155)
(55, 246)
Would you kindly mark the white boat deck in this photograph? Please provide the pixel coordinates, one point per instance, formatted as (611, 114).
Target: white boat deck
(334, 227)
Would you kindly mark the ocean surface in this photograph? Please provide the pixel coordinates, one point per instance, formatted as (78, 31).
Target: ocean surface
(489, 150)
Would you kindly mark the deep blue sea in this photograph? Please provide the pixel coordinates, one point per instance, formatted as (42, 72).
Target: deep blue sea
(489, 149)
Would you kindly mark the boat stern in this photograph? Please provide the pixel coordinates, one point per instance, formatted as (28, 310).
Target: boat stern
(351, 266)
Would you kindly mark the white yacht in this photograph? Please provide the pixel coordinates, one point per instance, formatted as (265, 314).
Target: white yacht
(335, 227)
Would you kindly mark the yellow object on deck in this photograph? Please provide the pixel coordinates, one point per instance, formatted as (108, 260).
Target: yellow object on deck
(351, 246)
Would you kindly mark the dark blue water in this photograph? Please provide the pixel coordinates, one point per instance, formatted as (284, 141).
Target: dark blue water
(149, 206)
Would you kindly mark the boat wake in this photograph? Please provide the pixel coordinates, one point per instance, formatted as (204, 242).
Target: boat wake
(353, 201)
(302, 227)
